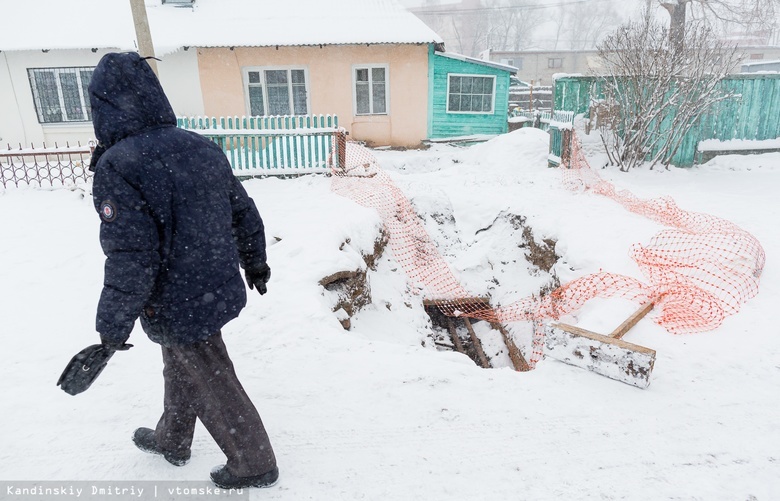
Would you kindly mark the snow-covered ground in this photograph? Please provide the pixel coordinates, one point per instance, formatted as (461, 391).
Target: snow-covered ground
(378, 412)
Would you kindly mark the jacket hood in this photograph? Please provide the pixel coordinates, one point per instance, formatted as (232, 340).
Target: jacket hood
(126, 98)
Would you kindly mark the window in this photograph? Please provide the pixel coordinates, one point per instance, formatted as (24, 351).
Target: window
(554, 62)
(516, 62)
(470, 93)
(370, 89)
(60, 94)
(276, 91)
(756, 56)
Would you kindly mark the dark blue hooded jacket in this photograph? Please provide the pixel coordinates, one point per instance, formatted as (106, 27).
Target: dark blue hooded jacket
(176, 223)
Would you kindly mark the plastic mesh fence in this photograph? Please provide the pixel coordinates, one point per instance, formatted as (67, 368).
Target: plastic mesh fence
(698, 271)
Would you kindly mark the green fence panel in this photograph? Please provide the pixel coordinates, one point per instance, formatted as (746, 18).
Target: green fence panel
(752, 113)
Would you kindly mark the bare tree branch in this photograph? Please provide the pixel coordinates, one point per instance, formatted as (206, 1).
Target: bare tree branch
(754, 16)
(655, 90)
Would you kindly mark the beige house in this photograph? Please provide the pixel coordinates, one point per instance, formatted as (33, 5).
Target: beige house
(378, 91)
(365, 61)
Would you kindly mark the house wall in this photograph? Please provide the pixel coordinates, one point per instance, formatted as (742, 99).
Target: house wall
(444, 124)
(533, 66)
(19, 121)
(330, 85)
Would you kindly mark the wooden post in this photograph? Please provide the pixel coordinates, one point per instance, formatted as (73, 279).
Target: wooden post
(341, 137)
(142, 32)
(477, 344)
(515, 355)
(454, 335)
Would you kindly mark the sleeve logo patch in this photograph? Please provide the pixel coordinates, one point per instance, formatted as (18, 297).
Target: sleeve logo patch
(107, 211)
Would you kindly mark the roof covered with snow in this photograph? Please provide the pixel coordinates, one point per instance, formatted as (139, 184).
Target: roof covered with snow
(483, 62)
(86, 24)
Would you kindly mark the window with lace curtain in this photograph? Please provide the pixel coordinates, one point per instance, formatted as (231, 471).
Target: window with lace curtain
(276, 91)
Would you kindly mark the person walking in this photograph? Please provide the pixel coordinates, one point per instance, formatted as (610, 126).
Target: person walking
(176, 227)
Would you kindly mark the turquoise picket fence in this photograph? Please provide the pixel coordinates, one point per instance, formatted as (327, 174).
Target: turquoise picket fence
(558, 124)
(276, 145)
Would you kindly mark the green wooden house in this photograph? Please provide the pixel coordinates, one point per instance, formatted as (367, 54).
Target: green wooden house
(467, 97)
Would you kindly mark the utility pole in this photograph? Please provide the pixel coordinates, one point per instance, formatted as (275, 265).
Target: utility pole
(142, 32)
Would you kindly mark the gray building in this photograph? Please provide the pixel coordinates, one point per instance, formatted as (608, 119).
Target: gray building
(539, 66)
(761, 66)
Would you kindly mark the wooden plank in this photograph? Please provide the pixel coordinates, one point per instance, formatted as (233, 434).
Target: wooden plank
(310, 162)
(272, 146)
(614, 358)
(573, 329)
(477, 344)
(454, 336)
(462, 300)
(518, 360)
(254, 143)
(244, 142)
(631, 321)
(289, 147)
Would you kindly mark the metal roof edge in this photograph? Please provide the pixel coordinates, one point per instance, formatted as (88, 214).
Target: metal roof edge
(461, 57)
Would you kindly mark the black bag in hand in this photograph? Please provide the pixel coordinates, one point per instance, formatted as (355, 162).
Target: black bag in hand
(84, 368)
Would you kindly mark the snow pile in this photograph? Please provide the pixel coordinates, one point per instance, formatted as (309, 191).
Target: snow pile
(738, 144)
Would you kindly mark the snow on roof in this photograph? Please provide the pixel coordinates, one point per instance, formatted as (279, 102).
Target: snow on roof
(81, 24)
(483, 62)
(76, 24)
(761, 63)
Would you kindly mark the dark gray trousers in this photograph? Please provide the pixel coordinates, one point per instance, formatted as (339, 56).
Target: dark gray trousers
(200, 383)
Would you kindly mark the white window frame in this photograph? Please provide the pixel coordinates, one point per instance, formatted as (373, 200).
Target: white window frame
(493, 94)
(83, 97)
(262, 70)
(369, 67)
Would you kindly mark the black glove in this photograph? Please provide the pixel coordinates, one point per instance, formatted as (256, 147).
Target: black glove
(115, 346)
(258, 277)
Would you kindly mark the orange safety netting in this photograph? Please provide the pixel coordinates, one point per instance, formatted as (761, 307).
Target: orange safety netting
(699, 271)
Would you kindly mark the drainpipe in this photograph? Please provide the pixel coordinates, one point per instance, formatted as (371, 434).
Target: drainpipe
(142, 32)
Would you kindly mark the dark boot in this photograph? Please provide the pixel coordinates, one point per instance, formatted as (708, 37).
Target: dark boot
(224, 479)
(144, 439)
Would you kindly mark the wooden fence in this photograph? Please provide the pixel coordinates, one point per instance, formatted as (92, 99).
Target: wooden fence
(277, 145)
(558, 124)
(752, 114)
(531, 98)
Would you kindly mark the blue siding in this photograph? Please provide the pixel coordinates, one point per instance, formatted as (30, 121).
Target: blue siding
(443, 124)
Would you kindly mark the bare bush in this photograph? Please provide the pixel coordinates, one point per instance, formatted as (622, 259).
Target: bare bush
(655, 91)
